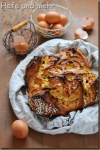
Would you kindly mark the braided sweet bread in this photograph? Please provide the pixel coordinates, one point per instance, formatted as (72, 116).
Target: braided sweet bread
(60, 83)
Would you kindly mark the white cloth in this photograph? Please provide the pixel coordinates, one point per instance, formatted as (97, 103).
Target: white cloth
(80, 122)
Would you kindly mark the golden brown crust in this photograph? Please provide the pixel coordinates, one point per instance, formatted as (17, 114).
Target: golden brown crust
(60, 83)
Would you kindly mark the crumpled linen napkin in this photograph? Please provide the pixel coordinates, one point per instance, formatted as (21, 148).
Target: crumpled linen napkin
(81, 121)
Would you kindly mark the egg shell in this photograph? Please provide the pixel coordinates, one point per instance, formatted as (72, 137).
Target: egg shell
(57, 26)
(41, 17)
(63, 20)
(18, 40)
(22, 47)
(81, 34)
(52, 17)
(20, 129)
(87, 23)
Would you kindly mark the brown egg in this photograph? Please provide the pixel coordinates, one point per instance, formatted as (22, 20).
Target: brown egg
(19, 129)
(52, 17)
(81, 34)
(41, 17)
(87, 23)
(18, 39)
(22, 47)
(43, 24)
(57, 26)
(63, 20)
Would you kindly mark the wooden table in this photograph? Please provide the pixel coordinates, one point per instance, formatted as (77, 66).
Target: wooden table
(79, 8)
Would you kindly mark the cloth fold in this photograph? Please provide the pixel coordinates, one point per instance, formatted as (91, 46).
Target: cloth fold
(81, 122)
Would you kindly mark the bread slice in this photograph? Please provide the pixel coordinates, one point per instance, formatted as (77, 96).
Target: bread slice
(60, 83)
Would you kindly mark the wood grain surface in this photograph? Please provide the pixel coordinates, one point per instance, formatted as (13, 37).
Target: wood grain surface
(8, 63)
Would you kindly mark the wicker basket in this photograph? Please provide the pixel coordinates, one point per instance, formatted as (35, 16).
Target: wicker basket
(52, 33)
